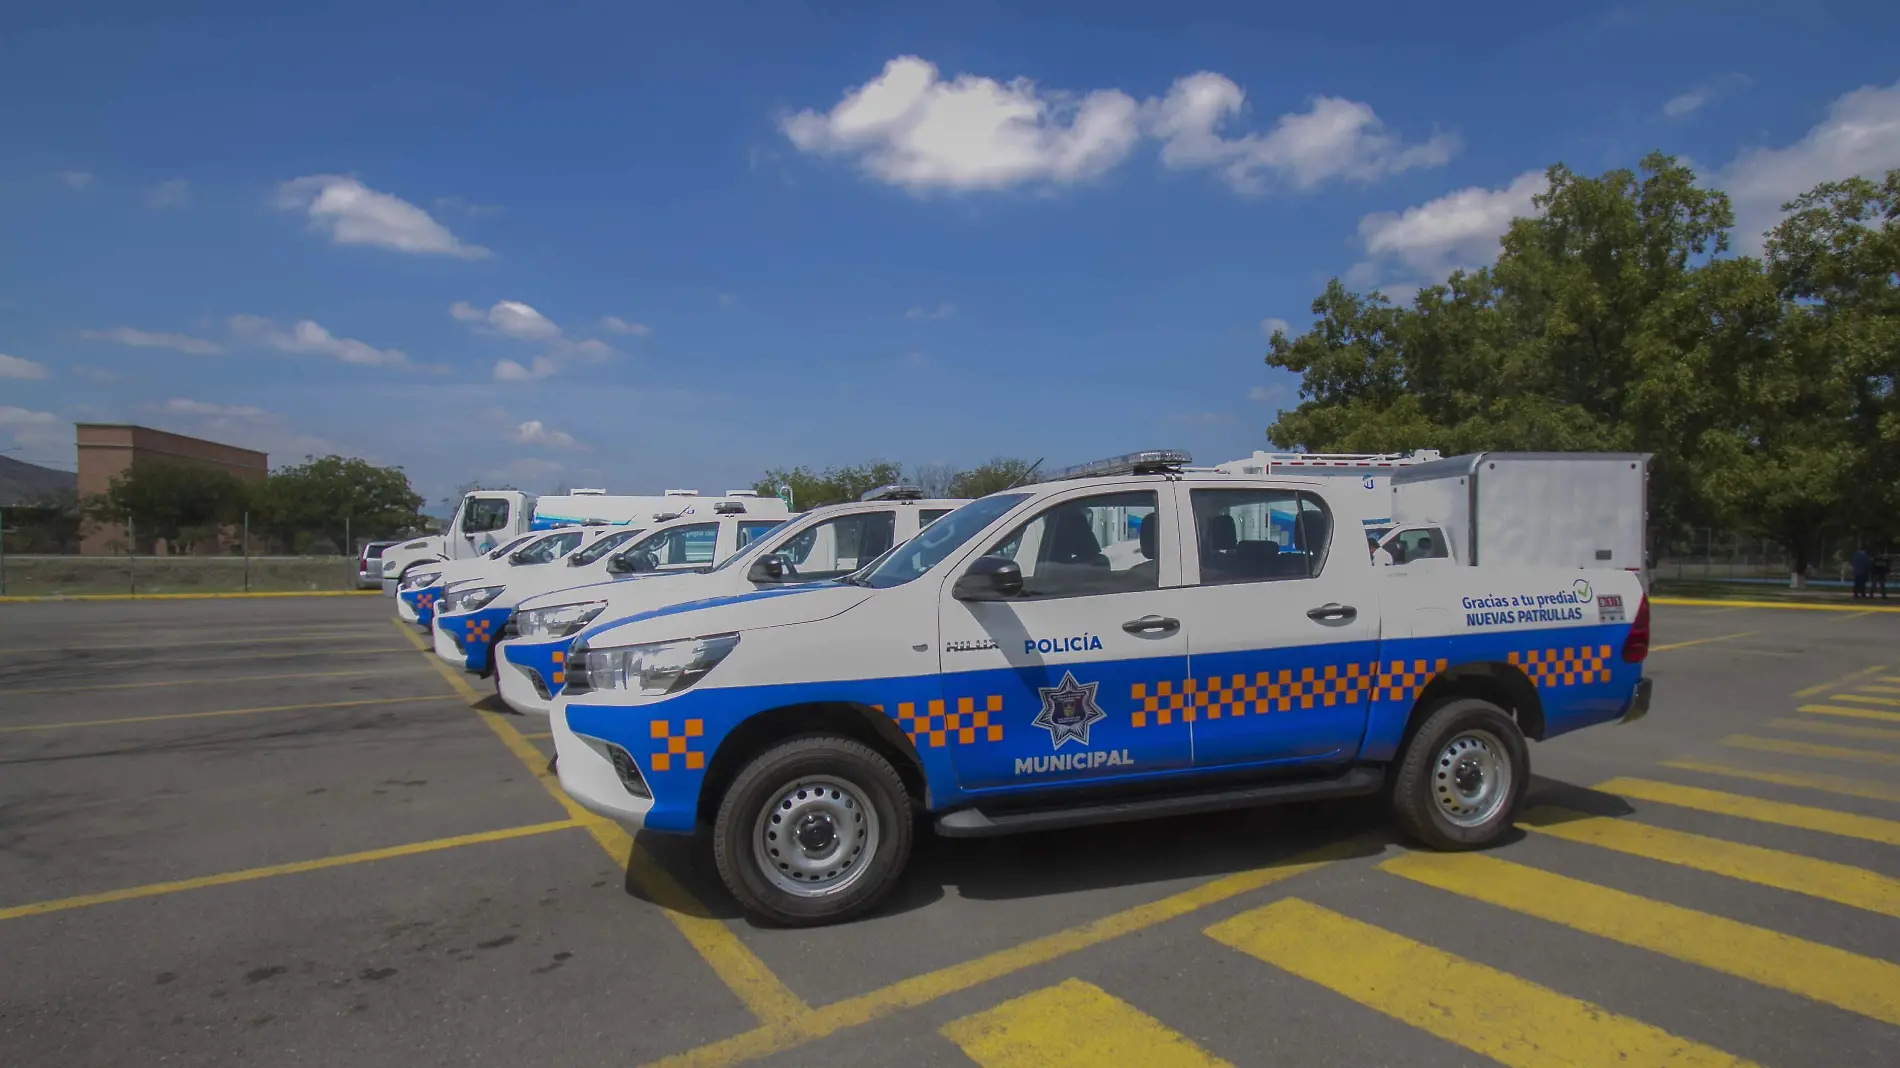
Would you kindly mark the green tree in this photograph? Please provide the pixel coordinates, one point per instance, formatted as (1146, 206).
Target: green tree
(184, 504)
(990, 477)
(834, 485)
(314, 498)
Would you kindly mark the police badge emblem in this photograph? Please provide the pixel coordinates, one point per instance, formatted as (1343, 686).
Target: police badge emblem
(1068, 710)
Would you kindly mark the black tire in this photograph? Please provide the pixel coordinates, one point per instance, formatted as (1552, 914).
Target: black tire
(764, 782)
(1424, 811)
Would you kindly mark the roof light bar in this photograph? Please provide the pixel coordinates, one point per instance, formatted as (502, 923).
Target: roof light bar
(896, 491)
(729, 508)
(1153, 461)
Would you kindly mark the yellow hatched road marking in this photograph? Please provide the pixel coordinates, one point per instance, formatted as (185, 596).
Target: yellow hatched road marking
(1839, 730)
(1821, 973)
(1823, 752)
(1810, 691)
(1073, 1025)
(320, 650)
(1793, 606)
(1861, 698)
(731, 960)
(537, 734)
(1824, 879)
(923, 989)
(1511, 1020)
(226, 878)
(1806, 817)
(1878, 689)
(1833, 784)
(1701, 641)
(1857, 713)
(221, 712)
(206, 682)
(305, 635)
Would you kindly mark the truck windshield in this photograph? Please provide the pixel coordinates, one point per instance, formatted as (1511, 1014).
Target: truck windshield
(758, 542)
(512, 546)
(936, 541)
(608, 543)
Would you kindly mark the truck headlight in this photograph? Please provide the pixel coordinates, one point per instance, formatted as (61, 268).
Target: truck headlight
(419, 579)
(470, 599)
(558, 621)
(646, 670)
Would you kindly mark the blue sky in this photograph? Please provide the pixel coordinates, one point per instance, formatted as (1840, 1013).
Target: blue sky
(595, 244)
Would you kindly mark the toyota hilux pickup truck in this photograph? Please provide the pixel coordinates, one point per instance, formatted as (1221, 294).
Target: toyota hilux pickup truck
(1128, 639)
(824, 543)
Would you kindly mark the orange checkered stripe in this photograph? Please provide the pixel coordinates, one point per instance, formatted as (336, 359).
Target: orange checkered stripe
(560, 673)
(1323, 686)
(678, 745)
(1564, 667)
(477, 629)
(937, 728)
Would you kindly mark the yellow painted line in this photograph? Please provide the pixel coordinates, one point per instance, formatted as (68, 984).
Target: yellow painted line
(1839, 730)
(1823, 879)
(1889, 690)
(305, 635)
(731, 960)
(1073, 1025)
(220, 712)
(1807, 969)
(1806, 817)
(1702, 641)
(1855, 713)
(1708, 602)
(537, 734)
(923, 989)
(1857, 615)
(221, 658)
(1511, 1020)
(1865, 699)
(203, 682)
(1833, 784)
(1810, 691)
(1820, 752)
(186, 596)
(292, 868)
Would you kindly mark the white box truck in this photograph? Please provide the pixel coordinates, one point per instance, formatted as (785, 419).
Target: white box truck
(1530, 509)
(1372, 470)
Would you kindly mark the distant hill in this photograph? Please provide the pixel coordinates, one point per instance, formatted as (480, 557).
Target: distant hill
(21, 482)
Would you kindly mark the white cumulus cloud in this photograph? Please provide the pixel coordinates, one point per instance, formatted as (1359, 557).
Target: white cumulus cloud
(510, 371)
(1459, 229)
(1271, 324)
(1860, 136)
(309, 338)
(941, 311)
(1685, 103)
(534, 432)
(509, 317)
(145, 339)
(1334, 138)
(614, 324)
(355, 214)
(186, 406)
(912, 128)
(15, 367)
(34, 428)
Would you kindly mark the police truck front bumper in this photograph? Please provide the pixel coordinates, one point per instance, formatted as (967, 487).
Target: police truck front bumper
(445, 646)
(1639, 701)
(589, 777)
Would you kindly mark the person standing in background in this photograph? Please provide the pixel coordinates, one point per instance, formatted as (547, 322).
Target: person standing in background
(1881, 566)
(1863, 566)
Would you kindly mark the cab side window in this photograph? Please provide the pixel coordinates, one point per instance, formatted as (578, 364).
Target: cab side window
(927, 516)
(842, 545)
(1087, 546)
(690, 545)
(485, 514)
(749, 532)
(1418, 543)
(1259, 535)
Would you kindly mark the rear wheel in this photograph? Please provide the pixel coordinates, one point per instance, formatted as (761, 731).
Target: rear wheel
(814, 830)
(1461, 781)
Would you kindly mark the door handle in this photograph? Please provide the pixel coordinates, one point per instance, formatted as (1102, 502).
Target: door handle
(1331, 611)
(1152, 625)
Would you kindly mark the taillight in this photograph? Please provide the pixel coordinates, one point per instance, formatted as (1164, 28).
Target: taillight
(1636, 646)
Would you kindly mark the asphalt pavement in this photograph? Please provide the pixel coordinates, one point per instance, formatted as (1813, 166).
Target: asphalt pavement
(276, 830)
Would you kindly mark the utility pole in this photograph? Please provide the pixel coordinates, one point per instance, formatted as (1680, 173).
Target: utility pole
(247, 552)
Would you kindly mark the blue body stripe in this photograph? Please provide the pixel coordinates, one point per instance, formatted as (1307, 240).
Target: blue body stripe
(709, 602)
(976, 732)
(538, 657)
(475, 633)
(423, 601)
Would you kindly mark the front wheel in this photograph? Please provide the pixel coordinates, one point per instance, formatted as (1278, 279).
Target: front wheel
(812, 831)
(1462, 779)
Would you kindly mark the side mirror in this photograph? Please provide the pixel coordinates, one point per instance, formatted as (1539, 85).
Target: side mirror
(767, 568)
(990, 578)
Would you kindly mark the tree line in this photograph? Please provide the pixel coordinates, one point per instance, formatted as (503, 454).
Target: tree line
(1615, 319)
(311, 507)
(813, 488)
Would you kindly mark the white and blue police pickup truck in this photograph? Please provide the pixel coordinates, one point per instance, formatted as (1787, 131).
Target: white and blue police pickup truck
(475, 610)
(424, 590)
(1126, 640)
(825, 543)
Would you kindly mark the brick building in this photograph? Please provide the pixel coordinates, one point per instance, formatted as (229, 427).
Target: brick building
(108, 449)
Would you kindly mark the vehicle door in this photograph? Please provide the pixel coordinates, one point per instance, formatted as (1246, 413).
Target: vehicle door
(482, 525)
(838, 546)
(1078, 679)
(1283, 627)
